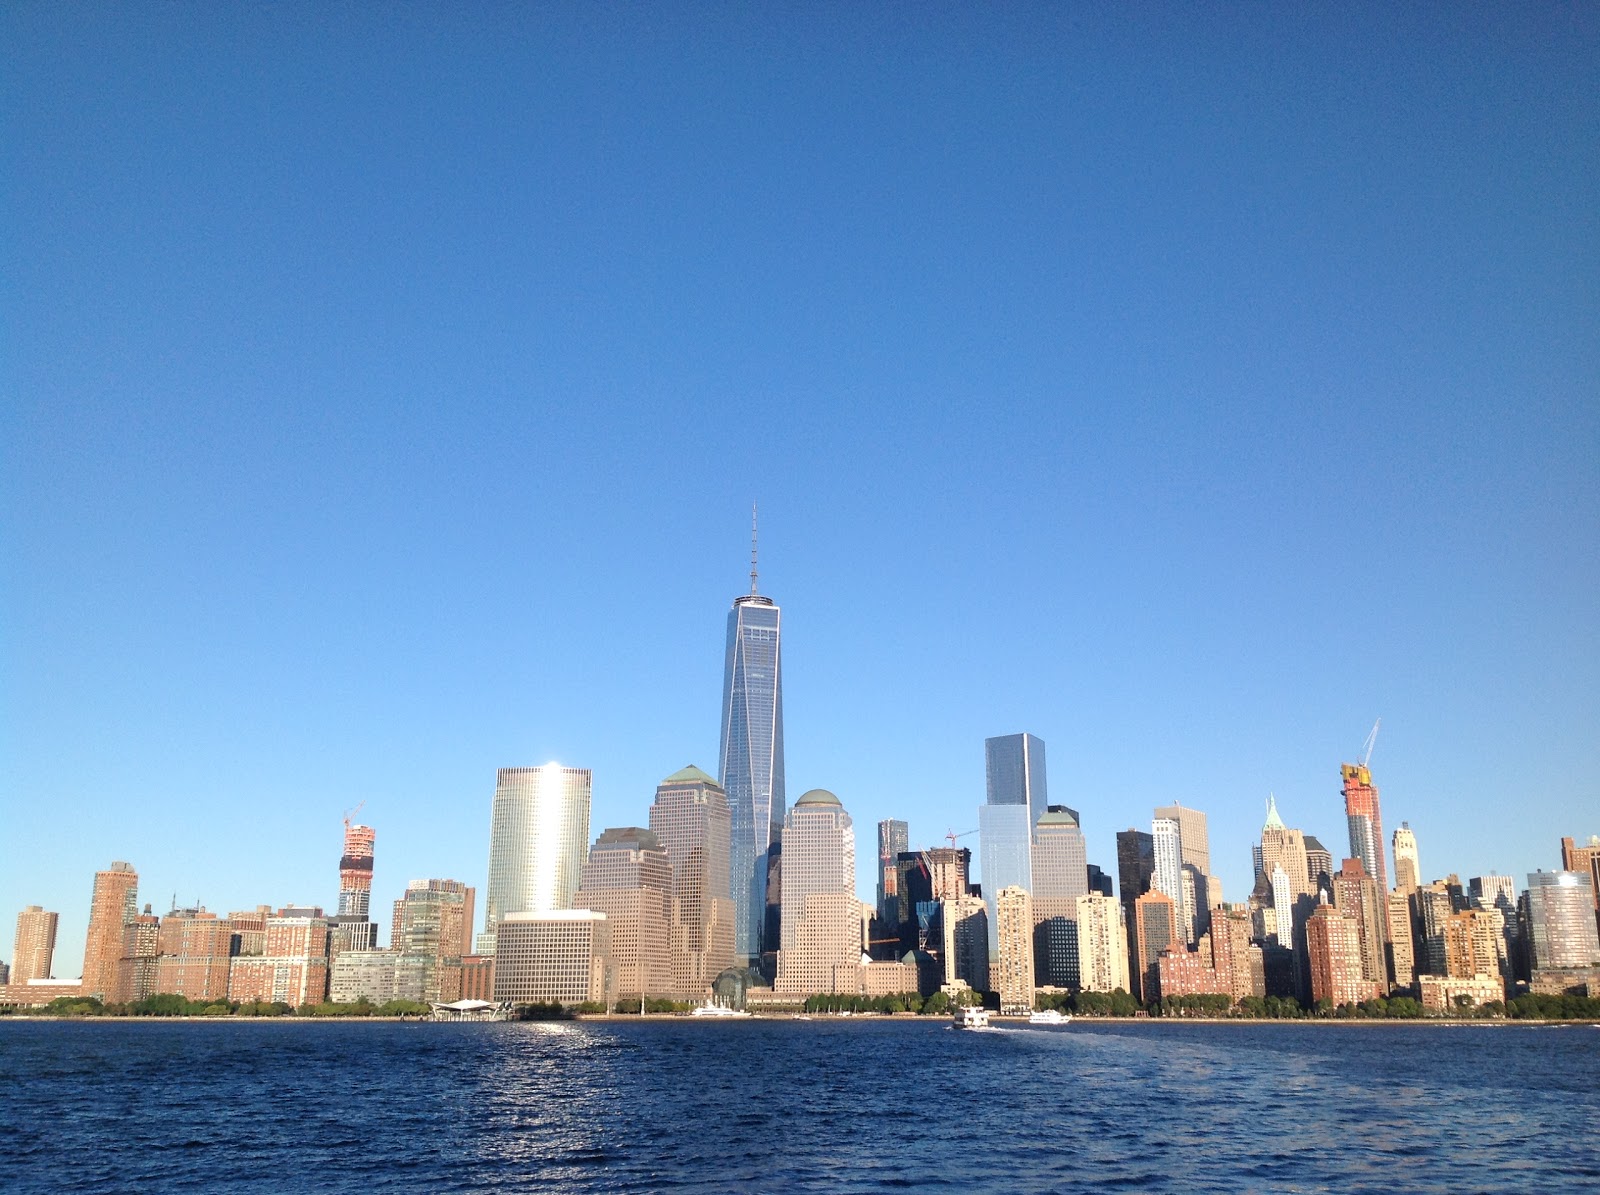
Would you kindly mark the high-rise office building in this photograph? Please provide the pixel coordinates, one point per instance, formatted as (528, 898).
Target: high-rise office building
(1493, 891)
(690, 818)
(1013, 974)
(1584, 859)
(1102, 945)
(1005, 838)
(1014, 771)
(820, 951)
(1155, 929)
(965, 923)
(1195, 838)
(1281, 846)
(432, 933)
(750, 761)
(35, 947)
(1366, 821)
(352, 927)
(1407, 868)
(538, 839)
(1319, 866)
(629, 879)
(1167, 844)
(1283, 900)
(894, 840)
(561, 957)
(1559, 908)
(1060, 877)
(114, 903)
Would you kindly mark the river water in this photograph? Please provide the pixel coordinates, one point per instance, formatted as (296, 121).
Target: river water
(774, 1105)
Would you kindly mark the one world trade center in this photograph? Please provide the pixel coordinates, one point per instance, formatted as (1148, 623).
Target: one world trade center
(751, 765)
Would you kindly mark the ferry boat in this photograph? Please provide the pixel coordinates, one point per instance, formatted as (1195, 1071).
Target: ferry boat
(971, 1017)
(1050, 1016)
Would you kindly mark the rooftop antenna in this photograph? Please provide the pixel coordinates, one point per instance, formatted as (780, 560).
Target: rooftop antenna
(752, 549)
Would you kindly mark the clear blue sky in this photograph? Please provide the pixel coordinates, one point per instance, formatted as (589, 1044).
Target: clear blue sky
(385, 389)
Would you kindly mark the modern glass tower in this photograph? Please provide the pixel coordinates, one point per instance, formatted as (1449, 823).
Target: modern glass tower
(1014, 770)
(538, 837)
(750, 763)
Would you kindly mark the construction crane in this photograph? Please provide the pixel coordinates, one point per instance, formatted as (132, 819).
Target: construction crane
(353, 812)
(1372, 738)
(951, 836)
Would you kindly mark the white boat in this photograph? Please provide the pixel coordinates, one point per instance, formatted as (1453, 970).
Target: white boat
(710, 1009)
(971, 1017)
(1050, 1016)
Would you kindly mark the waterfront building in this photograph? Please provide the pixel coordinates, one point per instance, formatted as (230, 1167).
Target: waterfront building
(1102, 945)
(629, 879)
(690, 819)
(821, 935)
(1333, 944)
(33, 951)
(538, 838)
(357, 975)
(1060, 877)
(1013, 979)
(431, 933)
(1407, 869)
(1432, 906)
(560, 957)
(477, 977)
(750, 763)
(1398, 946)
(1356, 893)
(1286, 848)
(1237, 960)
(293, 969)
(141, 950)
(194, 950)
(352, 927)
(1319, 866)
(1195, 841)
(1450, 993)
(1185, 972)
(894, 840)
(965, 954)
(1362, 813)
(1584, 859)
(1005, 837)
(250, 930)
(1167, 844)
(113, 903)
(1559, 910)
(1156, 929)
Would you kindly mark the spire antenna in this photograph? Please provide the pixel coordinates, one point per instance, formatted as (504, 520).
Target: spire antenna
(752, 549)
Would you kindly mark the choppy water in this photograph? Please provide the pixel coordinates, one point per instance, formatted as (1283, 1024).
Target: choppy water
(783, 1105)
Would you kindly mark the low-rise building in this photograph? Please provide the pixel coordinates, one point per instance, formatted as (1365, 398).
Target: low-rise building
(560, 957)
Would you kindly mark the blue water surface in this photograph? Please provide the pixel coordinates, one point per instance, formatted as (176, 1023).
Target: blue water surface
(775, 1105)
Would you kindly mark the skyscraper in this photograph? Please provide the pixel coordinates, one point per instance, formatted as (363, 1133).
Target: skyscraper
(1357, 895)
(1196, 842)
(1366, 822)
(1014, 770)
(1006, 842)
(35, 946)
(690, 818)
(1167, 844)
(820, 950)
(750, 762)
(629, 879)
(114, 903)
(1559, 907)
(1155, 930)
(1407, 869)
(1333, 943)
(538, 838)
(1281, 846)
(1102, 945)
(352, 928)
(894, 839)
(1060, 877)
(1013, 975)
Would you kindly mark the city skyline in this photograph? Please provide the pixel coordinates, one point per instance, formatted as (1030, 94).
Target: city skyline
(395, 420)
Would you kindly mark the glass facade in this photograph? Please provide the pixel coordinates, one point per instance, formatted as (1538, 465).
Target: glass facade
(1004, 838)
(538, 839)
(1014, 769)
(750, 767)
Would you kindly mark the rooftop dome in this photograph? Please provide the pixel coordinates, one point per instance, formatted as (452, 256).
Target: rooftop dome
(817, 796)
